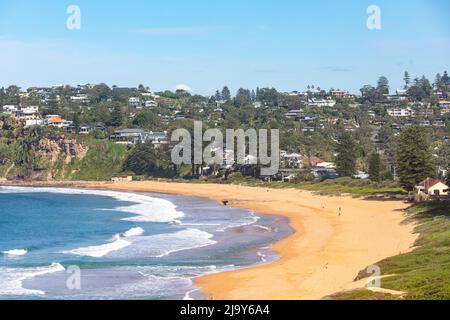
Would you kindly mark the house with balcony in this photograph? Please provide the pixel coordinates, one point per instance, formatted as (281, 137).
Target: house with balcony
(134, 136)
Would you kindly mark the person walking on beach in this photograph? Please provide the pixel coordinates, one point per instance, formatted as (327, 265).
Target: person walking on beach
(340, 211)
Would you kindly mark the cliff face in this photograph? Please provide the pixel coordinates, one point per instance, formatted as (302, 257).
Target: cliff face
(51, 151)
(56, 158)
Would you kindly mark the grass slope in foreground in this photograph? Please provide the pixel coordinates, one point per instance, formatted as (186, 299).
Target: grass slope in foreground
(423, 274)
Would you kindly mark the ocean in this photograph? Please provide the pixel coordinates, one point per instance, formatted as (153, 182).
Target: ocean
(78, 244)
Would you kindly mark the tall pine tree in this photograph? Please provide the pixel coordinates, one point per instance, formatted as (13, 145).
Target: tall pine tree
(407, 80)
(218, 96)
(375, 167)
(116, 117)
(346, 158)
(414, 157)
(226, 94)
(383, 86)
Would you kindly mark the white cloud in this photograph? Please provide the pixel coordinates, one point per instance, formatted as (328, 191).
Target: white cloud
(184, 87)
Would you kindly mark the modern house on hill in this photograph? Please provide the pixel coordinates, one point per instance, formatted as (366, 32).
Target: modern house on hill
(133, 136)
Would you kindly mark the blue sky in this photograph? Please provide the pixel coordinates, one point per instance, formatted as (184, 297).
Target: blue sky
(287, 44)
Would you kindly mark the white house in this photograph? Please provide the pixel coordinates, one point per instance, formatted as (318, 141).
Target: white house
(81, 98)
(150, 94)
(321, 103)
(430, 188)
(398, 112)
(445, 107)
(402, 92)
(9, 108)
(85, 129)
(34, 122)
(30, 110)
(134, 102)
(326, 165)
(361, 175)
(151, 104)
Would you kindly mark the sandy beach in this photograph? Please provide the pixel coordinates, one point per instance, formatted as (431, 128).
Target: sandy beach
(322, 257)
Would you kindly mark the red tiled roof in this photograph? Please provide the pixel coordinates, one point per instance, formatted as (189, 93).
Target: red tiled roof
(429, 182)
(55, 120)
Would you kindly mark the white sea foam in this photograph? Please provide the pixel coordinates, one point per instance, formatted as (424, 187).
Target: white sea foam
(156, 246)
(117, 242)
(262, 257)
(176, 222)
(133, 232)
(172, 271)
(15, 252)
(145, 207)
(200, 224)
(268, 229)
(161, 245)
(245, 221)
(101, 250)
(187, 295)
(12, 279)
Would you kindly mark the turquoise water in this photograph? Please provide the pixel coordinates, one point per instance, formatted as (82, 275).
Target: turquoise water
(126, 245)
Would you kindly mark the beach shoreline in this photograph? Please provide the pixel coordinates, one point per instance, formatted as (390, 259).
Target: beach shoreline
(334, 238)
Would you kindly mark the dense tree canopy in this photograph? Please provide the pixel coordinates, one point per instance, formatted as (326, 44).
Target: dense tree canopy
(145, 159)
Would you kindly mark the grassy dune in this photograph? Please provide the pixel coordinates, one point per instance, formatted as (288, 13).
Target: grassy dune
(355, 187)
